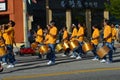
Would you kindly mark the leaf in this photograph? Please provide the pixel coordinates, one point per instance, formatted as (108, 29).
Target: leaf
(114, 8)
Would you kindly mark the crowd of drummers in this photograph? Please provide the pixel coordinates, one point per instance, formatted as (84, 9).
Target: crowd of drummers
(73, 45)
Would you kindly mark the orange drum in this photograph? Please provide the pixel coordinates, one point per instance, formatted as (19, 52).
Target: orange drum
(59, 47)
(87, 47)
(65, 46)
(34, 45)
(103, 51)
(74, 45)
(2, 51)
(44, 49)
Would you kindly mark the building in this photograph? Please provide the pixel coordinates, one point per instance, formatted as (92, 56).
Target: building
(64, 12)
(13, 10)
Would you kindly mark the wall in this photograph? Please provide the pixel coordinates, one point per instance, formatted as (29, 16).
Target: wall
(15, 12)
(18, 17)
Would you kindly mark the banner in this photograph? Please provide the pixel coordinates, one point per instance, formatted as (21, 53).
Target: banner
(77, 4)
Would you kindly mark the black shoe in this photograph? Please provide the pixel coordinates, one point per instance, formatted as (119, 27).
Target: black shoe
(1, 69)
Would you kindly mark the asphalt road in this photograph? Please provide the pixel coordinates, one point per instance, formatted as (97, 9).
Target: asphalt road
(30, 68)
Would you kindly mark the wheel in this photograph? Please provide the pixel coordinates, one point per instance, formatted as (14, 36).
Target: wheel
(21, 54)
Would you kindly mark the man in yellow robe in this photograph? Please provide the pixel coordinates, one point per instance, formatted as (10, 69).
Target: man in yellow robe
(2, 52)
(114, 35)
(51, 42)
(39, 35)
(80, 38)
(65, 39)
(73, 37)
(107, 37)
(95, 40)
(8, 35)
(74, 33)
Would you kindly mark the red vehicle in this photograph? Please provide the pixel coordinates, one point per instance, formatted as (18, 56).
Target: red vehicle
(27, 51)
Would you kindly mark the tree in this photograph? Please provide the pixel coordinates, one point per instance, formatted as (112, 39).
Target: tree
(113, 7)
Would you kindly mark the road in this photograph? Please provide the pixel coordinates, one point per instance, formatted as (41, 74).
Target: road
(66, 68)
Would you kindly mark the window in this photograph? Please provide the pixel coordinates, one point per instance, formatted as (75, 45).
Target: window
(3, 6)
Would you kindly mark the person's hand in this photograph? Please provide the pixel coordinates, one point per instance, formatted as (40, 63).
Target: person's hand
(91, 38)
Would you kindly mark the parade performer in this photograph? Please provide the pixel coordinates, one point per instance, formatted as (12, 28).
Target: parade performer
(107, 38)
(65, 39)
(114, 35)
(73, 37)
(39, 38)
(80, 38)
(3, 52)
(51, 42)
(95, 41)
(46, 36)
(39, 34)
(8, 35)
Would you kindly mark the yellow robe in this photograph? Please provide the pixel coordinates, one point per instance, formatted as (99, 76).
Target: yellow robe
(39, 37)
(2, 48)
(8, 35)
(46, 39)
(74, 34)
(114, 32)
(65, 36)
(107, 34)
(52, 35)
(80, 32)
(95, 34)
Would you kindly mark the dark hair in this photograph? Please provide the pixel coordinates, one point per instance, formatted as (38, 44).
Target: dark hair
(65, 27)
(107, 21)
(95, 26)
(52, 22)
(6, 26)
(39, 25)
(12, 23)
(112, 23)
(80, 24)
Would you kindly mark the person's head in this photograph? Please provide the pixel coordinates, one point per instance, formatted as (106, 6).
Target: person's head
(38, 26)
(73, 25)
(106, 22)
(52, 23)
(48, 27)
(64, 28)
(80, 25)
(112, 25)
(94, 27)
(11, 23)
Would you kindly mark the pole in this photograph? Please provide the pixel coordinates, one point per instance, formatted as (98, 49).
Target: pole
(25, 25)
(88, 22)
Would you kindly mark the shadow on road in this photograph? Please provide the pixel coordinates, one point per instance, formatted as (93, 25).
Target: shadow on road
(36, 63)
